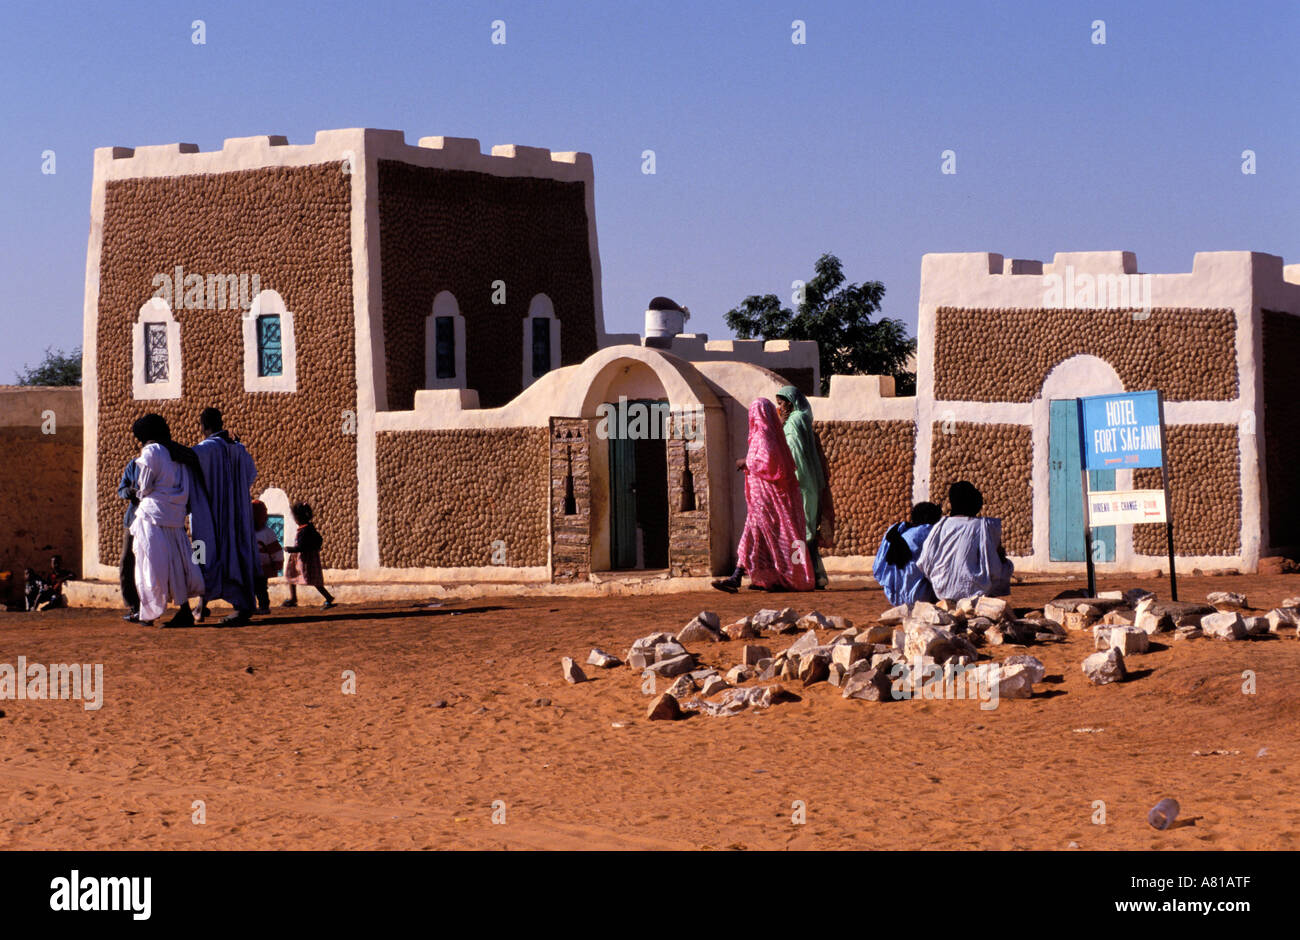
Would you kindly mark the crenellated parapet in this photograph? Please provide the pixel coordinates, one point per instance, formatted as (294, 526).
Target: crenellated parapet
(347, 146)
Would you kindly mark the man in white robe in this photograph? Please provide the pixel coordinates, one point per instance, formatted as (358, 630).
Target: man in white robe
(963, 555)
(164, 561)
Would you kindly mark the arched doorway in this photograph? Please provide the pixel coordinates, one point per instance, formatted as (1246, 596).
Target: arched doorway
(633, 469)
(1059, 475)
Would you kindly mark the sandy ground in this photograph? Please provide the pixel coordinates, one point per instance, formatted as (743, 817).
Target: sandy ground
(254, 723)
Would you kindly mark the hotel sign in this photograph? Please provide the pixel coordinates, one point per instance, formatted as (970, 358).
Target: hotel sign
(1121, 432)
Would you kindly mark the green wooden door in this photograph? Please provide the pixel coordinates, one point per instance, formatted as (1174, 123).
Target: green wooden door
(622, 502)
(1064, 493)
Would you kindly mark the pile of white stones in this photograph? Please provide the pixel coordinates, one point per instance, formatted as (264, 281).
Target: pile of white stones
(877, 663)
(1122, 624)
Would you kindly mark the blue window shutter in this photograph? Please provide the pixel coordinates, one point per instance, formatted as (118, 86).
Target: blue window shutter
(270, 358)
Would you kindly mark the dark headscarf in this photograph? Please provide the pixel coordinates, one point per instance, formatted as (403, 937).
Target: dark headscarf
(153, 427)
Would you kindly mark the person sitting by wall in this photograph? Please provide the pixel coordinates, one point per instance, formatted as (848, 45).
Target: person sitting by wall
(895, 569)
(963, 554)
(49, 594)
(33, 585)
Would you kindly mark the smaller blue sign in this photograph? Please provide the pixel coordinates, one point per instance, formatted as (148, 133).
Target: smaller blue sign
(1121, 431)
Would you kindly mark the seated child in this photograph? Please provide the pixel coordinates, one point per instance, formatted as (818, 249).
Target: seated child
(895, 568)
(963, 555)
(51, 593)
(270, 556)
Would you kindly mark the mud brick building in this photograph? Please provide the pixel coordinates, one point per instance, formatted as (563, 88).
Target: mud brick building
(411, 338)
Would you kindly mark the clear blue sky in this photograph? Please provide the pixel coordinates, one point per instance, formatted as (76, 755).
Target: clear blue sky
(768, 153)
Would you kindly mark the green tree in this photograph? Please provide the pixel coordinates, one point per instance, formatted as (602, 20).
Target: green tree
(838, 317)
(58, 368)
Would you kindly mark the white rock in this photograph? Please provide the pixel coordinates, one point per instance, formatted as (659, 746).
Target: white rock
(802, 645)
(846, 654)
(992, 607)
(573, 673)
(813, 620)
(752, 653)
(602, 659)
(739, 674)
(1129, 640)
(1150, 621)
(682, 687)
(697, 631)
(713, 685)
(925, 612)
(1281, 618)
(923, 639)
(1014, 681)
(1226, 599)
(1032, 663)
(674, 666)
(894, 616)
(1104, 668)
(1223, 626)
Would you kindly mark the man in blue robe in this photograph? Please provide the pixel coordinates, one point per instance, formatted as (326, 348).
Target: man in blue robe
(895, 569)
(223, 523)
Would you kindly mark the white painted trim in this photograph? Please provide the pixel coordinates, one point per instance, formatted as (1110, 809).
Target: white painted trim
(277, 504)
(444, 305)
(155, 310)
(269, 302)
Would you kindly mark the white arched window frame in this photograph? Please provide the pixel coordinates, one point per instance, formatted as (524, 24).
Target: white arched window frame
(269, 303)
(540, 309)
(277, 504)
(153, 376)
(444, 305)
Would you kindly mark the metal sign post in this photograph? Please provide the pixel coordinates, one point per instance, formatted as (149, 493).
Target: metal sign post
(1169, 515)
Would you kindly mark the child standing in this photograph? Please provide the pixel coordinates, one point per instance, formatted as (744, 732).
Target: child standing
(304, 558)
(270, 556)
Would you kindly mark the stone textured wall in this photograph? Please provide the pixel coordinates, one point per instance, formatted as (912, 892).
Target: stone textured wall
(291, 227)
(446, 496)
(40, 492)
(998, 459)
(460, 231)
(688, 519)
(870, 464)
(1204, 491)
(1281, 440)
(570, 467)
(1004, 355)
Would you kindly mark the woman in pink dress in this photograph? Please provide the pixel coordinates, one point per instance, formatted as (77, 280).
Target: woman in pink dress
(772, 548)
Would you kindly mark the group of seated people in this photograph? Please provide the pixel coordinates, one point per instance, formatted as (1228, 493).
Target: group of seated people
(45, 591)
(933, 557)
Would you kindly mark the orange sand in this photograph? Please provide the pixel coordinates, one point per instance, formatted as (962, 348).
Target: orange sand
(283, 759)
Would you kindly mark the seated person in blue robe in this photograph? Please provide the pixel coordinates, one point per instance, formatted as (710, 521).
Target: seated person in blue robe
(895, 568)
(963, 555)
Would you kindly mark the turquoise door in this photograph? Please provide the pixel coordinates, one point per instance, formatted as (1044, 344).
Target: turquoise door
(622, 502)
(1064, 495)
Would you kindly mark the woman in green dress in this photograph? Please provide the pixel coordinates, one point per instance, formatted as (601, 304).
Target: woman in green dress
(797, 418)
